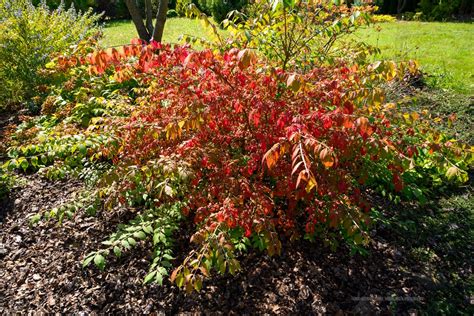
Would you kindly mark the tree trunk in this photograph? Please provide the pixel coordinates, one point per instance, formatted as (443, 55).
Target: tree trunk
(137, 20)
(149, 16)
(401, 5)
(160, 20)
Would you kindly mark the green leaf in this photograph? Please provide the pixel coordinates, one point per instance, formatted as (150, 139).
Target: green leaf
(82, 149)
(90, 210)
(276, 4)
(34, 161)
(99, 261)
(139, 235)
(180, 280)
(35, 219)
(159, 278)
(147, 171)
(132, 241)
(117, 251)
(23, 163)
(198, 284)
(166, 264)
(148, 229)
(88, 260)
(125, 244)
(149, 277)
(167, 257)
(222, 266)
(13, 164)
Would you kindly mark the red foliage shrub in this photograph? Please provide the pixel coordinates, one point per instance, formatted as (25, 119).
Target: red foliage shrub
(255, 151)
(267, 150)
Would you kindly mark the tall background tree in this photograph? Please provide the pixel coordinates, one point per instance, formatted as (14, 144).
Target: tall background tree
(146, 30)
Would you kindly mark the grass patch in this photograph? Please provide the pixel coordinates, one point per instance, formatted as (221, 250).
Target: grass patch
(443, 49)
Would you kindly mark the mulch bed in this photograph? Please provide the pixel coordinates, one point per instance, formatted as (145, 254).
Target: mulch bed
(40, 271)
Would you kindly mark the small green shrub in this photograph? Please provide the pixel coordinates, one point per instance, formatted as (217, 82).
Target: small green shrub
(6, 183)
(383, 18)
(82, 5)
(114, 9)
(172, 13)
(29, 36)
(218, 9)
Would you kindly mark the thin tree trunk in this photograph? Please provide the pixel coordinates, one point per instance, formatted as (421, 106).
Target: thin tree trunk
(149, 16)
(160, 20)
(138, 20)
(401, 5)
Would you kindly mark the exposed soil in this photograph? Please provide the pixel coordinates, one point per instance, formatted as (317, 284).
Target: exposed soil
(40, 271)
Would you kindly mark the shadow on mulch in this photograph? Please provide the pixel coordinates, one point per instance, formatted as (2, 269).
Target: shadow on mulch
(6, 204)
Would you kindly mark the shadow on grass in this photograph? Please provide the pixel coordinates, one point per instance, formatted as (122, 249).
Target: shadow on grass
(438, 238)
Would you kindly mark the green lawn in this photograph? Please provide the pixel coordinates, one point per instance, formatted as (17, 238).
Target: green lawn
(443, 49)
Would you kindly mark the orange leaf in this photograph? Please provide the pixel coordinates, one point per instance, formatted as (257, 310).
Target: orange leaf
(326, 158)
(271, 157)
(137, 41)
(246, 57)
(173, 275)
(347, 122)
(302, 176)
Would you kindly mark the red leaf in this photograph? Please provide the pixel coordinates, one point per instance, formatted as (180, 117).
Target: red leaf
(254, 117)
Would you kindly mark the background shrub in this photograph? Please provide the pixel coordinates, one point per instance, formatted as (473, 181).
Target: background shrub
(205, 6)
(29, 36)
(114, 9)
(6, 182)
(220, 8)
(442, 10)
(117, 9)
(431, 9)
